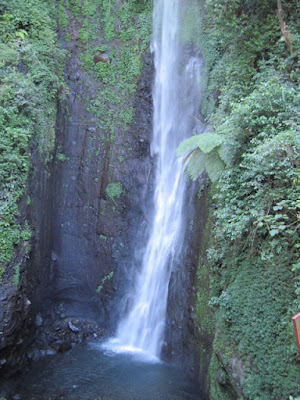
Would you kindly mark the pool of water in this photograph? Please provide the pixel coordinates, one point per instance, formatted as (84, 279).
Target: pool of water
(89, 373)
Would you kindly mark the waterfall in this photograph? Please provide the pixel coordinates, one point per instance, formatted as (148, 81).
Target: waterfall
(175, 96)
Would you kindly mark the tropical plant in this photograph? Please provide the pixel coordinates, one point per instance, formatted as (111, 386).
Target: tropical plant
(204, 152)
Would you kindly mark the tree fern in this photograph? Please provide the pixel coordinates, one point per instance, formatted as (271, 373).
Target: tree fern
(206, 142)
(203, 152)
(196, 164)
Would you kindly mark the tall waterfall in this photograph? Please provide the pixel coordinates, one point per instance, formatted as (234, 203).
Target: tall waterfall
(176, 96)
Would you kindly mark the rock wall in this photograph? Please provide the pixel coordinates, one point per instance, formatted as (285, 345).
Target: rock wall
(183, 339)
(89, 203)
(97, 197)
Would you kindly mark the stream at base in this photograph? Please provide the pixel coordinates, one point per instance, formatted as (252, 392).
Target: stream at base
(89, 373)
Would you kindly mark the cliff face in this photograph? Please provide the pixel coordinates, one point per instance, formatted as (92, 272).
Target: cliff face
(98, 199)
(89, 194)
(98, 193)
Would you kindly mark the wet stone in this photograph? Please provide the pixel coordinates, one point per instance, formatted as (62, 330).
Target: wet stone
(38, 320)
(73, 328)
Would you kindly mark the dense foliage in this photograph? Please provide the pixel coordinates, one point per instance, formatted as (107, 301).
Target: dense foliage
(252, 100)
(30, 66)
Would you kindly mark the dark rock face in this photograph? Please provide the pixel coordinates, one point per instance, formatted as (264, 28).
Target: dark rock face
(81, 235)
(14, 326)
(89, 235)
(17, 305)
(181, 331)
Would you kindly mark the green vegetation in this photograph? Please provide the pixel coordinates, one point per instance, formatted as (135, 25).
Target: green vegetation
(2, 271)
(117, 77)
(16, 277)
(114, 190)
(114, 37)
(205, 152)
(106, 278)
(30, 66)
(61, 157)
(252, 53)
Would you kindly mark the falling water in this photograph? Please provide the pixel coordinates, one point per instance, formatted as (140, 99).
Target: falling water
(176, 96)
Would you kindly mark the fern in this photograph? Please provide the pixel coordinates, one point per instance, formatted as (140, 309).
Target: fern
(206, 142)
(200, 161)
(196, 164)
(214, 165)
(204, 152)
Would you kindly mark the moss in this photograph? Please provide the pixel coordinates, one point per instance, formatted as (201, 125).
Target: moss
(205, 319)
(61, 157)
(117, 78)
(2, 271)
(16, 276)
(114, 190)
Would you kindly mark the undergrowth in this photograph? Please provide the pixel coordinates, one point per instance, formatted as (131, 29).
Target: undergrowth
(252, 101)
(30, 67)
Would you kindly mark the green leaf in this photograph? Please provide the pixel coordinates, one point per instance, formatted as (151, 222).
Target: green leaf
(21, 33)
(225, 153)
(205, 141)
(199, 161)
(214, 166)
(196, 164)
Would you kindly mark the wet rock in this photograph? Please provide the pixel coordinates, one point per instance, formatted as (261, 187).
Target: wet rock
(50, 352)
(221, 379)
(64, 346)
(103, 57)
(33, 355)
(53, 256)
(73, 271)
(73, 328)
(38, 320)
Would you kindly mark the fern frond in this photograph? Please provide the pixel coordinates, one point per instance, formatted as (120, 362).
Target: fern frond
(225, 153)
(206, 142)
(214, 165)
(196, 164)
(187, 145)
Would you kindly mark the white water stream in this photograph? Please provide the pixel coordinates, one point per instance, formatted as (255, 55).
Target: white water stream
(176, 96)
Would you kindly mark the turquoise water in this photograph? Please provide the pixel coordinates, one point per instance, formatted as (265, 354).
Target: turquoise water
(88, 373)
